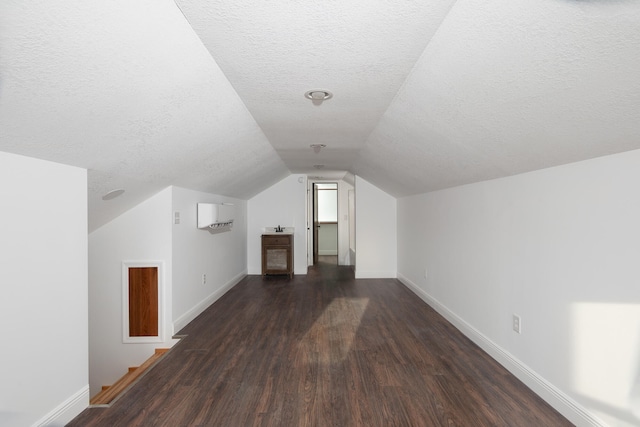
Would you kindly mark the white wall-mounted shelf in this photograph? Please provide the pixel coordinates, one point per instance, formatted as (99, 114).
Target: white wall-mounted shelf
(213, 216)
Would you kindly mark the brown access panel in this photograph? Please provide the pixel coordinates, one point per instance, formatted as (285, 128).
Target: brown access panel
(143, 301)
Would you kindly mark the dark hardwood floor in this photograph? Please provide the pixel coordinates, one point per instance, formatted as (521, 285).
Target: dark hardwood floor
(324, 350)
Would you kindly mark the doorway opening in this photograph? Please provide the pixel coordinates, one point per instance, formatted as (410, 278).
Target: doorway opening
(331, 212)
(325, 223)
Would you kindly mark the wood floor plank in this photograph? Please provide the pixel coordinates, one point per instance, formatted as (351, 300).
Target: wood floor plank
(324, 350)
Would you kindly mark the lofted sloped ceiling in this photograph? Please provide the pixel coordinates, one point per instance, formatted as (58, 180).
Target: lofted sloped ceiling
(208, 95)
(510, 86)
(127, 90)
(273, 52)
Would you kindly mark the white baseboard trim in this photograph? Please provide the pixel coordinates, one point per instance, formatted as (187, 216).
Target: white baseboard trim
(375, 274)
(67, 410)
(564, 404)
(187, 317)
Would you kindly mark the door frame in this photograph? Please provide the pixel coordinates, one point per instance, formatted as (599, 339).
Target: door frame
(315, 223)
(312, 218)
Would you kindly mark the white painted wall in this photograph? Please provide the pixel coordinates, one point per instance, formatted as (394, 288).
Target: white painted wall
(140, 234)
(328, 205)
(344, 222)
(328, 239)
(376, 233)
(282, 204)
(351, 200)
(221, 256)
(43, 280)
(559, 247)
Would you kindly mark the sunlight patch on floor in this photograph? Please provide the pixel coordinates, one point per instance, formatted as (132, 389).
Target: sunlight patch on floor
(333, 334)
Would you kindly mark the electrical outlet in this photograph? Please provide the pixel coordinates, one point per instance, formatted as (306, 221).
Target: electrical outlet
(517, 324)
(176, 217)
(204, 279)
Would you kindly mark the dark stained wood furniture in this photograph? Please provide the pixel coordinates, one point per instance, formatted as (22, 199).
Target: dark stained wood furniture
(277, 254)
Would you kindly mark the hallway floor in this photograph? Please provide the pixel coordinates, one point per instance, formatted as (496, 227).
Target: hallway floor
(324, 350)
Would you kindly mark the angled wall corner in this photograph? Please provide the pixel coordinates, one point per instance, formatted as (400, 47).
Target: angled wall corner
(375, 232)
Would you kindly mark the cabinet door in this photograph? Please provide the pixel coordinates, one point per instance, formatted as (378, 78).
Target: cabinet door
(143, 301)
(277, 259)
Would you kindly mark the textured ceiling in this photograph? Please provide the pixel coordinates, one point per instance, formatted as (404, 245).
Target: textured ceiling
(273, 52)
(127, 90)
(509, 86)
(427, 95)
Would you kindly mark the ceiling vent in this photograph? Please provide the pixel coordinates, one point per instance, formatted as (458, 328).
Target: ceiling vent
(113, 194)
(317, 147)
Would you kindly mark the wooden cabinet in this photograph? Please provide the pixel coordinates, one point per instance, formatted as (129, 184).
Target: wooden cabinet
(277, 254)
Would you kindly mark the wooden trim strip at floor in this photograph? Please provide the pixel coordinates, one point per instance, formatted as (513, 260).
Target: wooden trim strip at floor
(110, 393)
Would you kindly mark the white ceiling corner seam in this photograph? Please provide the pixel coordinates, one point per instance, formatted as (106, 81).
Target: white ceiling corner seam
(410, 74)
(244, 105)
